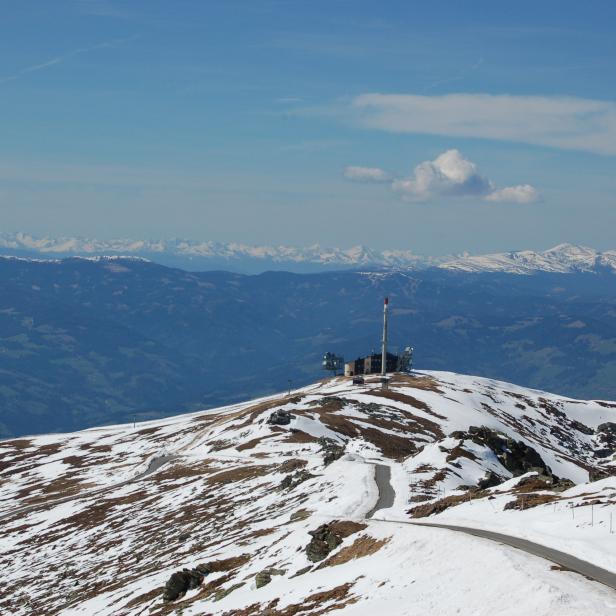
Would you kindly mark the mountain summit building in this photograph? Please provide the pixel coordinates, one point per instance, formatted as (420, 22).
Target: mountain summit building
(373, 364)
(383, 362)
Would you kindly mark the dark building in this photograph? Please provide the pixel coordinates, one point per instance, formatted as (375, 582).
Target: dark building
(354, 368)
(371, 365)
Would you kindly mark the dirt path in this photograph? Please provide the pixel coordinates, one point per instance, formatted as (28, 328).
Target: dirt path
(382, 477)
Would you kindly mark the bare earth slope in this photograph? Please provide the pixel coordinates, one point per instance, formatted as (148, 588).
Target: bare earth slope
(211, 513)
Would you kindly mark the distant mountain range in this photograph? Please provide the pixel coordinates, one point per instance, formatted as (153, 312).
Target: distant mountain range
(233, 256)
(243, 258)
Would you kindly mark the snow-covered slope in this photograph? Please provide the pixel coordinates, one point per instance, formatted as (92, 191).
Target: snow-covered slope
(564, 258)
(92, 525)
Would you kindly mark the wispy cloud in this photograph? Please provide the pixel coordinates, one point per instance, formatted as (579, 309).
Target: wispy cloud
(449, 175)
(459, 76)
(366, 174)
(560, 122)
(523, 193)
(288, 100)
(69, 54)
(313, 145)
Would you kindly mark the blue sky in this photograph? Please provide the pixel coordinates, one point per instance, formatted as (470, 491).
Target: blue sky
(437, 127)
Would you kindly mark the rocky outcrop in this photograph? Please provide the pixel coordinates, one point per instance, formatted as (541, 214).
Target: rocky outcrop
(489, 480)
(596, 474)
(331, 449)
(324, 540)
(181, 582)
(516, 456)
(536, 483)
(280, 418)
(606, 439)
(328, 537)
(294, 479)
(265, 577)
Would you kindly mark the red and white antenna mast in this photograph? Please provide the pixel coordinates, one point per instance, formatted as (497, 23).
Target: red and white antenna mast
(384, 342)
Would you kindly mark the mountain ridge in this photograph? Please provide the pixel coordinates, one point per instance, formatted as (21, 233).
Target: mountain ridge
(191, 254)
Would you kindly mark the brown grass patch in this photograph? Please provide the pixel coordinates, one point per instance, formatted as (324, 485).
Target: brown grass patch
(241, 473)
(422, 425)
(75, 461)
(8, 469)
(173, 472)
(95, 448)
(528, 501)
(424, 468)
(438, 476)
(362, 546)
(228, 564)
(345, 528)
(427, 383)
(459, 452)
(423, 511)
(253, 442)
(404, 399)
(337, 598)
(392, 446)
(329, 404)
(146, 431)
(294, 464)
(420, 498)
(66, 486)
(299, 438)
(255, 534)
(47, 450)
(396, 425)
(19, 444)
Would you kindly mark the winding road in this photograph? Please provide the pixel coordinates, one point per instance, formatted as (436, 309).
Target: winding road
(382, 476)
(387, 495)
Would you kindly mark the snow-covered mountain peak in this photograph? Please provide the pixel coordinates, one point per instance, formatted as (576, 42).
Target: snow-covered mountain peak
(563, 258)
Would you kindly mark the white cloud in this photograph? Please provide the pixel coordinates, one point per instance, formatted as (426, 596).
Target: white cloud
(448, 175)
(366, 174)
(560, 122)
(523, 193)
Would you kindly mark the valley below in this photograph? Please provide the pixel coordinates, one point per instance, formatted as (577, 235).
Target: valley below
(89, 342)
